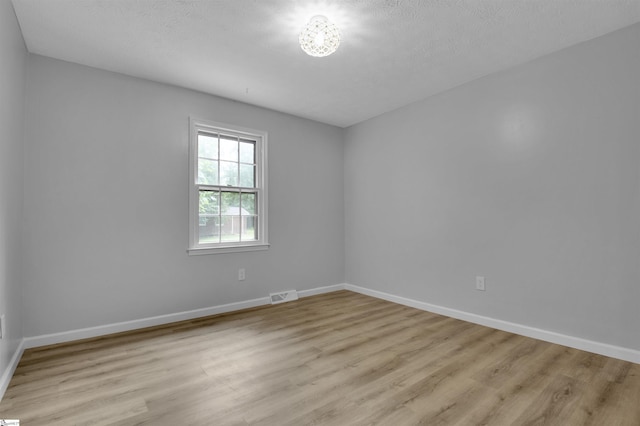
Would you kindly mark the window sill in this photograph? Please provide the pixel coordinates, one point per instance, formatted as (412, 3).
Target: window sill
(226, 249)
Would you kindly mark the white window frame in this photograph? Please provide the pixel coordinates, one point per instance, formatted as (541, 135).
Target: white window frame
(195, 247)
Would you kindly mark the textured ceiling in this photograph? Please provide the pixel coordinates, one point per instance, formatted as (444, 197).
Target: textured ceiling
(394, 52)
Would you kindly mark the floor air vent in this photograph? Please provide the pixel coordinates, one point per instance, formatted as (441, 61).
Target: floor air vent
(283, 296)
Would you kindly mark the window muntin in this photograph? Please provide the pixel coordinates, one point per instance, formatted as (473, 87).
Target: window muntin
(228, 189)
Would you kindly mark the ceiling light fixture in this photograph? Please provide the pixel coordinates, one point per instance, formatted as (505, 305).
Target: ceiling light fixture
(320, 37)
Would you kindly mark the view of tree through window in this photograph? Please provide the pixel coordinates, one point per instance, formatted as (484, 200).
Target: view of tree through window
(227, 203)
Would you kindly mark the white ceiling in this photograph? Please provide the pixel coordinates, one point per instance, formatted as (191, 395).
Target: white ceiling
(394, 52)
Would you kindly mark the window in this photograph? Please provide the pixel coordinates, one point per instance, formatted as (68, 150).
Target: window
(228, 188)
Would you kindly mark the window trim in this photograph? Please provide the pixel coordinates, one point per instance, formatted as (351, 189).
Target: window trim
(195, 248)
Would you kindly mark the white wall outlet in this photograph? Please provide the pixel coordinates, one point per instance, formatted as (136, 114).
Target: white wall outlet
(3, 326)
(480, 283)
(241, 275)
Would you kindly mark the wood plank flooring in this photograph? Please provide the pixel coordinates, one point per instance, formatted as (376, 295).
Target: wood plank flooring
(335, 359)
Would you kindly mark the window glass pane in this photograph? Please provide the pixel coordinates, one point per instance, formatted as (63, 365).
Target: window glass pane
(208, 146)
(247, 176)
(209, 217)
(248, 203)
(247, 152)
(248, 217)
(230, 203)
(207, 171)
(230, 230)
(228, 149)
(228, 173)
(249, 228)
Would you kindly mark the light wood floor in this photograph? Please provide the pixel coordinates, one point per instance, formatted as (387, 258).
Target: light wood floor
(335, 359)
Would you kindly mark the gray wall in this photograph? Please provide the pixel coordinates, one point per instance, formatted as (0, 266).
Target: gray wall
(13, 60)
(529, 177)
(106, 210)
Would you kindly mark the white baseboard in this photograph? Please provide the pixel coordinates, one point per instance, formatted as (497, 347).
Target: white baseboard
(606, 349)
(84, 333)
(321, 290)
(524, 330)
(11, 368)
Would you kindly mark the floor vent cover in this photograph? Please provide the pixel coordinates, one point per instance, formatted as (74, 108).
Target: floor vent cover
(283, 296)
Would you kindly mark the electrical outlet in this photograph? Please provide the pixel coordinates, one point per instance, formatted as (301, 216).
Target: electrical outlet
(2, 327)
(480, 283)
(241, 275)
